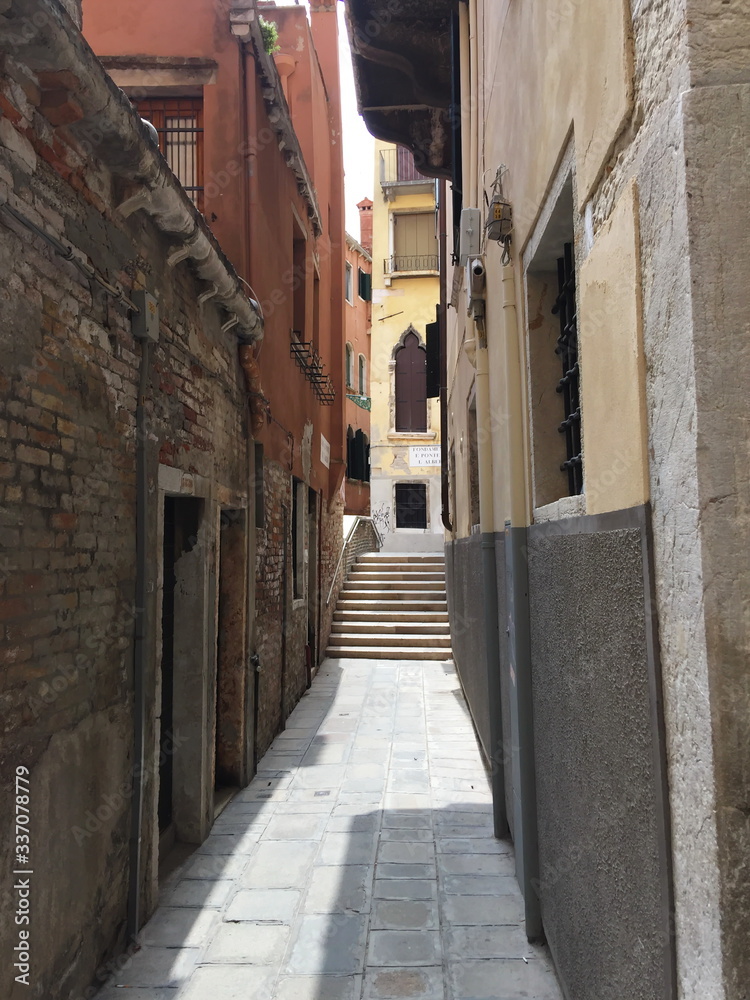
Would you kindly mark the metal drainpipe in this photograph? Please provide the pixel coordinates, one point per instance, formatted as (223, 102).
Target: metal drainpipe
(484, 449)
(139, 649)
(284, 616)
(489, 579)
(519, 625)
(443, 330)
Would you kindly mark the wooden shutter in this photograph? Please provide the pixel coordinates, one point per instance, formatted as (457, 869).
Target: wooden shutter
(365, 285)
(433, 358)
(411, 386)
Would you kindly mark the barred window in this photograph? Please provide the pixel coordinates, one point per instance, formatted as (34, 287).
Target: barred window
(411, 505)
(179, 124)
(569, 385)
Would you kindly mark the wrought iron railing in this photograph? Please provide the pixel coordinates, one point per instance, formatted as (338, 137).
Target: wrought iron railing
(311, 365)
(397, 167)
(422, 262)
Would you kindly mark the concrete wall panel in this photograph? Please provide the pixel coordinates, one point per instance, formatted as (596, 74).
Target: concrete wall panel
(466, 605)
(602, 880)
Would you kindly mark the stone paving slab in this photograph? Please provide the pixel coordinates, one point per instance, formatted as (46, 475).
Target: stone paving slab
(360, 864)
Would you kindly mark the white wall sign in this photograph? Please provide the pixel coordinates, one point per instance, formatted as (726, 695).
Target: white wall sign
(325, 452)
(422, 456)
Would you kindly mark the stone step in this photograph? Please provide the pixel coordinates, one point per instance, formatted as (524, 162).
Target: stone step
(361, 605)
(346, 639)
(389, 597)
(394, 585)
(388, 653)
(365, 617)
(385, 559)
(356, 627)
(382, 574)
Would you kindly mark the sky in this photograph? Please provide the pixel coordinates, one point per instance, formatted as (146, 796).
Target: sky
(358, 143)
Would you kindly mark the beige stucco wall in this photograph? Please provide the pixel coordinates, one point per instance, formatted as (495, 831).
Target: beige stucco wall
(613, 380)
(659, 379)
(526, 53)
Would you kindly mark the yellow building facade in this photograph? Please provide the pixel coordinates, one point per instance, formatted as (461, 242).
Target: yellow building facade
(405, 427)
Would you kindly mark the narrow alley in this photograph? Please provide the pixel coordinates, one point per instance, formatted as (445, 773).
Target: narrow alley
(360, 862)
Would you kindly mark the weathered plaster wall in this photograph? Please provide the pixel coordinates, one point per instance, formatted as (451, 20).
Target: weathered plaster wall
(672, 124)
(717, 144)
(613, 387)
(691, 376)
(73, 7)
(357, 327)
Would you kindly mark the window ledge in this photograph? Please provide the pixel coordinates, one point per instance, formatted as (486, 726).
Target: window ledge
(412, 436)
(565, 507)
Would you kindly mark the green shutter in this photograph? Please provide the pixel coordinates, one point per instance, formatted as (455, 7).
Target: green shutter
(365, 285)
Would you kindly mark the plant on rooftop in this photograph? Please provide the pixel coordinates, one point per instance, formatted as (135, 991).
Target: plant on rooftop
(270, 33)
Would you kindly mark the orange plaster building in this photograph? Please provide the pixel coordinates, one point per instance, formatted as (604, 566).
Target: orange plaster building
(255, 138)
(357, 328)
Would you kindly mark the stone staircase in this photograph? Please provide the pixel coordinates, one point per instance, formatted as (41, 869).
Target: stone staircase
(393, 607)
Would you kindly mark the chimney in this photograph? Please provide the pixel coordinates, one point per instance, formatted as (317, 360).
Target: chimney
(365, 224)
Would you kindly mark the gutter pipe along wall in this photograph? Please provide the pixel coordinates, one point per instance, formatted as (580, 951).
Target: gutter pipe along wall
(470, 72)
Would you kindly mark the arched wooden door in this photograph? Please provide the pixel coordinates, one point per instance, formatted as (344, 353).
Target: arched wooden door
(411, 386)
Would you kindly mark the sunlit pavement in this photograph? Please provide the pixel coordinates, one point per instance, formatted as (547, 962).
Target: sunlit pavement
(360, 863)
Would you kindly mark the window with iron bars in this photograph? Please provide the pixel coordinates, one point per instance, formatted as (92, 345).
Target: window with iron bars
(411, 505)
(179, 124)
(569, 385)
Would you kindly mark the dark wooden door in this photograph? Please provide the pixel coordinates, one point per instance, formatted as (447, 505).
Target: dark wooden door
(411, 386)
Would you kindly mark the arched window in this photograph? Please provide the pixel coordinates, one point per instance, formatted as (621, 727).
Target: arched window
(357, 456)
(349, 366)
(411, 386)
(362, 376)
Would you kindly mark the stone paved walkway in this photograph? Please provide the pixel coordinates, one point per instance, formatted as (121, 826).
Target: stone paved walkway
(359, 863)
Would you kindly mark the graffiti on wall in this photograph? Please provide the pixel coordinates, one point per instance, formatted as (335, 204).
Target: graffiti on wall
(382, 517)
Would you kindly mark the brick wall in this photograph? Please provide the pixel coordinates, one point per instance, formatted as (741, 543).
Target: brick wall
(273, 544)
(68, 386)
(282, 636)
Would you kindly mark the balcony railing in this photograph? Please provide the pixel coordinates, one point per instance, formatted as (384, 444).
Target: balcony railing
(397, 168)
(424, 262)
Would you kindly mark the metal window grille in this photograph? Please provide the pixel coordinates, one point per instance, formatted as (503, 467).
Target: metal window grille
(420, 262)
(397, 167)
(411, 505)
(569, 385)
(179, 124)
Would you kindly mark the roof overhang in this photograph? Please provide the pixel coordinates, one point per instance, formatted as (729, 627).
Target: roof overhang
(402, 71)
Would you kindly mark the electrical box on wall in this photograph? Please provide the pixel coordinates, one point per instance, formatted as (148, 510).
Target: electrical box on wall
(471, 235)
(146, 320)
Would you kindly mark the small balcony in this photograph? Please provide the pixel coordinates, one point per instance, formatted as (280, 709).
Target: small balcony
(397, 264)
(398, 173)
